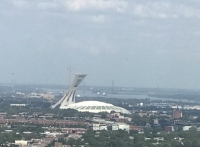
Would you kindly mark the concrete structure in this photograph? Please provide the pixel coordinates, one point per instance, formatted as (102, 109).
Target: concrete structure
(69, 98)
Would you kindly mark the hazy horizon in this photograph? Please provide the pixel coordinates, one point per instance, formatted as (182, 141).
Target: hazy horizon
(135, 43)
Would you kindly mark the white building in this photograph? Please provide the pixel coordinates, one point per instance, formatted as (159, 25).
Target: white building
(114, 127)
(96, 107)
(192, 107)
(21, 142)
(18, 105)
(97, 127)
(186, 128)
(124, 126)
(103, 127)
(159, 138)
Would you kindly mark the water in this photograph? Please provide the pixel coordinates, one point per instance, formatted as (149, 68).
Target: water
(127, 96)
(119, 96)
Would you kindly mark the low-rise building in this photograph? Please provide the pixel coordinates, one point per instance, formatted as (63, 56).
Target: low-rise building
(21, 142)
(103, 127)
(159, 138)
(58, 144)
(114, 127)
(146, 138)
(134, 127)
(124, 126)
(74, 136)
(95, 127)
(186, 128)
(99, 127)
(169, 128)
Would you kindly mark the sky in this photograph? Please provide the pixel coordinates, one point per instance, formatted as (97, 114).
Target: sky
(136, 43)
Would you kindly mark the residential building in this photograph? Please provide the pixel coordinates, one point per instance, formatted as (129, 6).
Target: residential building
(176, 114)
(169, 128)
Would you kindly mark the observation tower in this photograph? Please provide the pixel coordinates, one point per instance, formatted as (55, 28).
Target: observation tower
(68, 101)
(69, 98)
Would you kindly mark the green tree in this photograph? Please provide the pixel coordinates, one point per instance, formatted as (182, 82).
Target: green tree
(175, 143)
(187, 143)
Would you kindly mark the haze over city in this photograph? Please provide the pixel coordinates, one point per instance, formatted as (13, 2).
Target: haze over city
(135, 43)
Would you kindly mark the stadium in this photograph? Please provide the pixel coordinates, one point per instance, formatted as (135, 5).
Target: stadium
(68, 101)
(96, 107)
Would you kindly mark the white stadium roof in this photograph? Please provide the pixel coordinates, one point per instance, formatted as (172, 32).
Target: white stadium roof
(95, 107)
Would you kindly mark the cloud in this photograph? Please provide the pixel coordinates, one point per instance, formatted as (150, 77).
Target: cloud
(43, 4)
(197, 33)
(77, 5)
(47, 5)
(164, 10)
(98, 18)
(19, 3)
(154, 9)
(88, 45)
